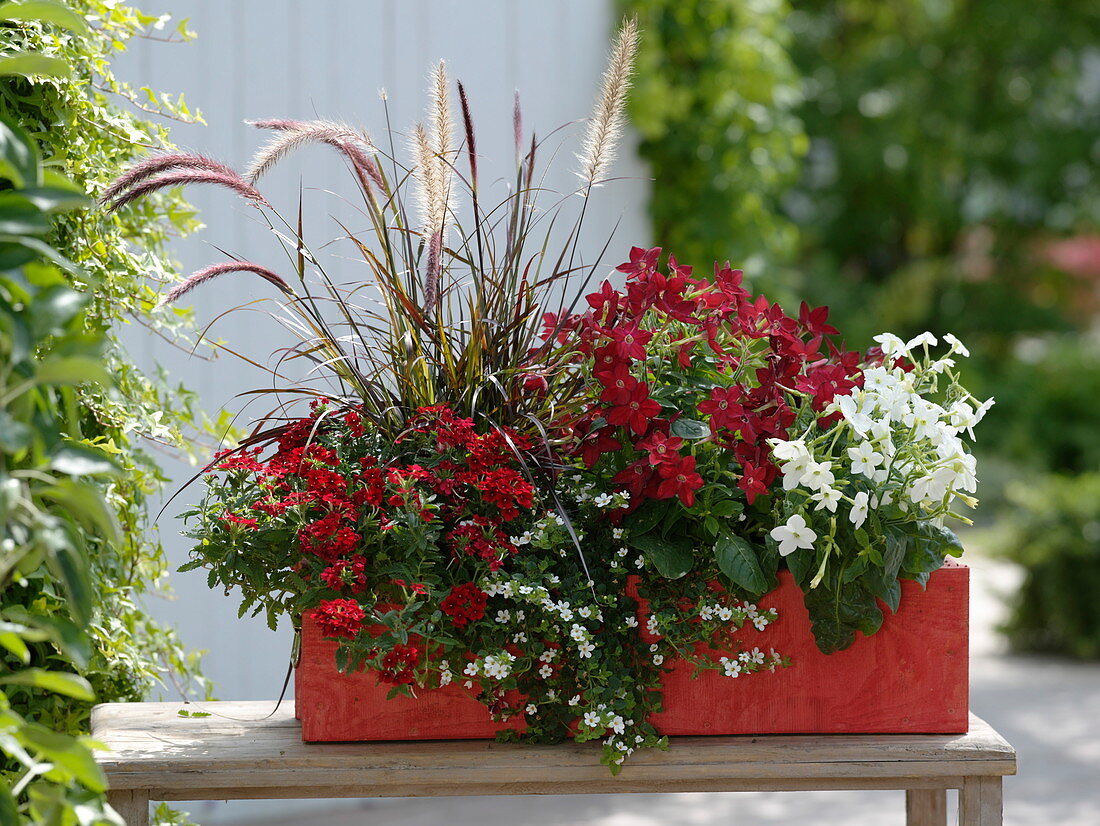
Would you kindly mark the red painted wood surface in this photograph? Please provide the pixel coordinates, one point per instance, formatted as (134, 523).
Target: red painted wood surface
(910, 677)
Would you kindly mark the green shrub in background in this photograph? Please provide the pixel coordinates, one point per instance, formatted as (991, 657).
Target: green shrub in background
(55, 83)
(714, 101)
(1054, 532)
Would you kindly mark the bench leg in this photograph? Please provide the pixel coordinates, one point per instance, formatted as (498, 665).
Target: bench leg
(926, 807)
(980, 802)
(132, 806)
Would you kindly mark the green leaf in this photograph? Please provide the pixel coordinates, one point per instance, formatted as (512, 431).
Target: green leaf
(71, 370)
(69, 564)
(19, 216)
(16, 250)
(78, 459)
(689, 429)
(671, 557)
(19, 160)
(55, 199)
(737, 559)
(85, 504)
(13, 641)
(647, 517)
(44, 11)
(9, 812)
(29, 64)
(59, 682)
(838, 609)
(803, 564)
(68, 753)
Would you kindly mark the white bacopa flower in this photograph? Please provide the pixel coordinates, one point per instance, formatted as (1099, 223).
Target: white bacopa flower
(592, 719)
(520, 637)
(760, 622)
(724, 613)
(858, 513)
(603, 500)
(793, 535)
(639, 562)
(865, 459)
(471, 669)
(617, 724)
(531, 708)
(658, 659)
(632, 621)
(585, 649)
(706, 612)
(445, 675)
(578, 633)
(503, 616)
(575, 699)
(757, 656)
(546, 672)
(732, 668)
(827, 498)
(584, 611)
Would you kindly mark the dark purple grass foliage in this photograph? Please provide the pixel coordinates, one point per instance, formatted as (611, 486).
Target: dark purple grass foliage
(216, 270)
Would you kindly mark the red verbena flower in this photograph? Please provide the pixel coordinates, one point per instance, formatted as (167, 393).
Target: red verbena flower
(339, 618)
(465, 604)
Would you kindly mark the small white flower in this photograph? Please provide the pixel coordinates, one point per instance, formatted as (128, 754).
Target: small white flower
(531, 708)
(817, 475)
(546, 672)
(732, 668)
(924, 338)
(827, 498)
(793, 535)
(617, 533)
(865, 459)
(706, 612)
(585, 649)
(891, 345)
(520, 637)
(471, 669)
(639, 562)
(658, 659)
(503, 616)
(603, 500)
(592, 719)
(760, 622)
(632, 621)
(786, 451)
(445, 675)
(617, 724)
(584, 611)
(860, 507)
(575, 699)
(757, 656)
(578, 633)
(724, 613)
(956, 345)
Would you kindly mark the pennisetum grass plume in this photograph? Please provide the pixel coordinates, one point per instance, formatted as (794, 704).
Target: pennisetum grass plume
(178, 176)
(216, 270)
(293, 134)
(606, 124)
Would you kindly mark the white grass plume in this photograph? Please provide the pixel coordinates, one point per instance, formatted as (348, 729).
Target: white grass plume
(606, 124)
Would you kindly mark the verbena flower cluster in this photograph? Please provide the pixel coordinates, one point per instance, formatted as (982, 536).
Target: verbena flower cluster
(555, 576)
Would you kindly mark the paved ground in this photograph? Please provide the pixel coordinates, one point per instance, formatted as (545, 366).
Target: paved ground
(1048, 709)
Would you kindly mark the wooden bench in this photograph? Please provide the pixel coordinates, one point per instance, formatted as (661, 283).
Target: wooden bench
(235, 754)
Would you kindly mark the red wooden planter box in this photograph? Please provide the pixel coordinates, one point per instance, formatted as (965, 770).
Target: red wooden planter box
(910, 677)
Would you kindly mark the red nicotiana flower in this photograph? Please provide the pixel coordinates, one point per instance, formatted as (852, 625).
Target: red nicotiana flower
(661, 448)
(635, 410)
(754, 481)
(679, 479)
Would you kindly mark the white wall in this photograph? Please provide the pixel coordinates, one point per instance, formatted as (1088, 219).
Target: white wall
(328, 58)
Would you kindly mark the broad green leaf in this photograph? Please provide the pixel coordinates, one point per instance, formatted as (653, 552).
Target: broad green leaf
(16, 250)
(837, 610)
(68, 563)
(9, 812)
(65, 634)
(18, 155)
(59, 682)
(29, 64)
(18, 216)
(71, 370)
(69, 753)
(737, 560)
(689, 429)
(671, 557)
(14, 643)
(647, 517)
(44, 11)
(78, 459)
(84, 503)
(54, 199)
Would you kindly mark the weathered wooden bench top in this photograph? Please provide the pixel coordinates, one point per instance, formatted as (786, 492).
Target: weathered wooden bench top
(237, 753)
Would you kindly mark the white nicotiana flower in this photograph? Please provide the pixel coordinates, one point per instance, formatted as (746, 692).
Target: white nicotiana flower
(891, 345)
(818, 475)
(793, 471)
(827, 498)
(956, 345)
(854, 413)
(932, 487)
(858, 513)
(786, 451)
(865, 459)
(793, 535)
(925, 338)
(585, 649)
